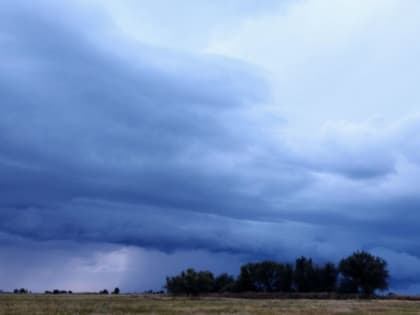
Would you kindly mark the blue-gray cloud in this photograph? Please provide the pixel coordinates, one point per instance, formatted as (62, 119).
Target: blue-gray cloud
(103, 142)
(82, 124)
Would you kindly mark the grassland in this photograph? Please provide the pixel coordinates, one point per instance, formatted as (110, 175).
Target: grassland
(132, 304)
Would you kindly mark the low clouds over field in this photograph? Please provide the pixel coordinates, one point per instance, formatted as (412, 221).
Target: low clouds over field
(118, 149)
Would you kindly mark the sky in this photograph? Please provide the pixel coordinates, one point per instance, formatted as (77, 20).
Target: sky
(139, 138)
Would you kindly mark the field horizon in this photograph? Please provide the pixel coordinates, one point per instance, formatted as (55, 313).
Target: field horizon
(126, 304)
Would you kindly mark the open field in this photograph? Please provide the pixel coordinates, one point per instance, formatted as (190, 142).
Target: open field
(132, 304)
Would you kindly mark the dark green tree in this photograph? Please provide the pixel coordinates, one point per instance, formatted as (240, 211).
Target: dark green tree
(364, 271)
(323, 278)
(329, 276)
(305, 279)
(266, 276)
(347, 286)
(190, 282)
(244, 282)
(176, 285)
(205, 282)
(224, 283)
(284, 281)
(116, 291)
(21, 291)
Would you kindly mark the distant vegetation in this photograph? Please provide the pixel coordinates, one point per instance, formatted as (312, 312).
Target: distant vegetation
(359, 273)
(21, 291)
(57, 291)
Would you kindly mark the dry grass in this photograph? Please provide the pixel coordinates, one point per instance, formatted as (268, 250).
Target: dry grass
(134, 304)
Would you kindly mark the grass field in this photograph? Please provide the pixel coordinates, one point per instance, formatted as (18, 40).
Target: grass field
(126, 304)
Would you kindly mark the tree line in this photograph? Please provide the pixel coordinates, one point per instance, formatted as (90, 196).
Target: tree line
(57, 291)
(361, 273)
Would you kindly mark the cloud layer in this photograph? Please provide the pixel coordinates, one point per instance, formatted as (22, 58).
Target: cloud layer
(123, 147)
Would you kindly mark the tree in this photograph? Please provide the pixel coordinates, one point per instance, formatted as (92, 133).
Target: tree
(365, 272)
(190, 282)
(245, 283)
(224, 283)
(329, 275)
(116, 291)
(322, 278)
(347, 286)
(21, 291)
(304, 275)
(284, 279)
(204, 282)
(265, 276)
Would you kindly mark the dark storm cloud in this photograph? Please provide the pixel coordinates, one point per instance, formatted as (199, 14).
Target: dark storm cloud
(151, 150)
(107, 143)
